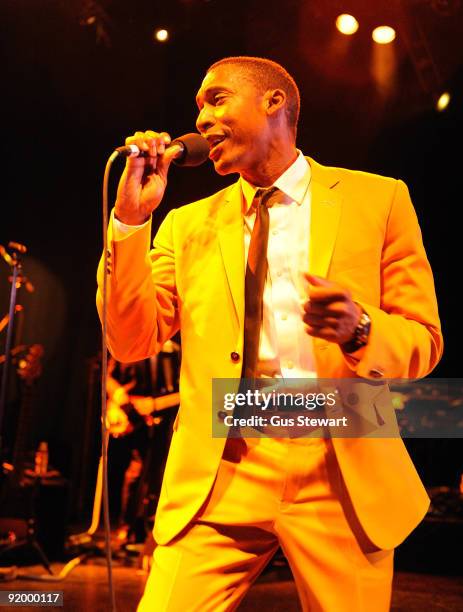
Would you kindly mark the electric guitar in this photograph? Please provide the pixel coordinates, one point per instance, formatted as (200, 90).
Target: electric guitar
(124, 417)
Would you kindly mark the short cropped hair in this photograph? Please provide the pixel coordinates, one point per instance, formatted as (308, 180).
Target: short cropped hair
(267, 74)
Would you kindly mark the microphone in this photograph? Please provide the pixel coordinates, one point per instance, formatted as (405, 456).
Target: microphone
(193, 150)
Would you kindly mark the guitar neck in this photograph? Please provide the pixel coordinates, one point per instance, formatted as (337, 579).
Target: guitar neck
(166, 401)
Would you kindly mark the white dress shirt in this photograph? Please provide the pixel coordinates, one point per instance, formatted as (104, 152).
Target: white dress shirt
(285, 348)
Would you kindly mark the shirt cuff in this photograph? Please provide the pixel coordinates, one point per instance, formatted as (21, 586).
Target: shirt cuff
(122, 230)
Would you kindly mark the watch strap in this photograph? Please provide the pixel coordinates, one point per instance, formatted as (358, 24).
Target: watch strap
(361, 334)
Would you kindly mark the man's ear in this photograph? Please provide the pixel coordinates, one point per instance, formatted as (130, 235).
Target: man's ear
(275, 100)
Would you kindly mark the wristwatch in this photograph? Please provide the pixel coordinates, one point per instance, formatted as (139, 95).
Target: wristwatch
(361, 333)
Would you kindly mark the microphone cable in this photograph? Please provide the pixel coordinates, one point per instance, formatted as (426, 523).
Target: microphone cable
(104, 374)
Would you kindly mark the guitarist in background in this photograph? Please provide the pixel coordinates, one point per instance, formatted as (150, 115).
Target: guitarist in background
(142, 402)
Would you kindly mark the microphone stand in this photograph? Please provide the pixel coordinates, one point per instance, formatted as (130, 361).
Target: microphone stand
(15, 262)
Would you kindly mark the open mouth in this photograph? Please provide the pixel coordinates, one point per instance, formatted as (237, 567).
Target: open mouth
(214, 143)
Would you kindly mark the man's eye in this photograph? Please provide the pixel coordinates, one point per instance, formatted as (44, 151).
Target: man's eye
(219, 99)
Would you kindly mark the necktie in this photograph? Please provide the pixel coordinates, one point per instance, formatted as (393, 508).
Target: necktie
(256, 273)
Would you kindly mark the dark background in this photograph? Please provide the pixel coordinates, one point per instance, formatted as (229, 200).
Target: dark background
(79, 76)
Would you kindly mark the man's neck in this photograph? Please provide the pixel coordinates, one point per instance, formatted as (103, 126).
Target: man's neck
(271, 169)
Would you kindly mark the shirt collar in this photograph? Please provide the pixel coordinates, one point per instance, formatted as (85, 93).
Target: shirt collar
(293, 182)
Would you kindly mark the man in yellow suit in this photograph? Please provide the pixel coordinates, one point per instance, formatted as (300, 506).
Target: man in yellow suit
(347, 293)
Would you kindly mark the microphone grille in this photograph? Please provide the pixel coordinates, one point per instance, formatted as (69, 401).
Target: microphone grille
(195, 150)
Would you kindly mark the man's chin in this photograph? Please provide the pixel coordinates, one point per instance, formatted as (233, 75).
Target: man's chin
(222, 167)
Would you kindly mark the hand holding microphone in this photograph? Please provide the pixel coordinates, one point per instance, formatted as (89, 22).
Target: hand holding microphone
(144, 180)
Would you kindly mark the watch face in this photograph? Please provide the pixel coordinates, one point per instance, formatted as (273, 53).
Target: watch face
(363, 329)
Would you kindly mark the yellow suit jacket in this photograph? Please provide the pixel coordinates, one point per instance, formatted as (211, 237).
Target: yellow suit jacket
(364, 235)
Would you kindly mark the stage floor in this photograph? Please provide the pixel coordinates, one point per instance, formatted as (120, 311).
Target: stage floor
(85, 589)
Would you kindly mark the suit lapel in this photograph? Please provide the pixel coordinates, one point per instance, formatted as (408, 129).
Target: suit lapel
(325, 216)
(231, 240)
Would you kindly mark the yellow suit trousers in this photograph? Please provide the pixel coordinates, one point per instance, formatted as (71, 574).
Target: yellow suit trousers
(270, 492)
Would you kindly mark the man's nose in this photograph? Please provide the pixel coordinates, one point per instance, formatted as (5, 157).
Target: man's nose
(204, 121)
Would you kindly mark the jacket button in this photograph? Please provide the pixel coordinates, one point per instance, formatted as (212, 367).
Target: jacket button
(235, 357)
(221, 415)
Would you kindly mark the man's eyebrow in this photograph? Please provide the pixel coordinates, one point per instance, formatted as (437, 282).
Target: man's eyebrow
(210, 91)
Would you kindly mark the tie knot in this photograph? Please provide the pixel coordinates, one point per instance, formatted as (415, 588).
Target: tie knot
(263, 196)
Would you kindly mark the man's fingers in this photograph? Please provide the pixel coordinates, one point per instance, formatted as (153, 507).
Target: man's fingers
(323, 290)
(321, 321)
(325, 309)
(165, 137)
(164, 160)
(138, 139)
(327, 294)
(326, 333)
(317, 281)
(154, 143)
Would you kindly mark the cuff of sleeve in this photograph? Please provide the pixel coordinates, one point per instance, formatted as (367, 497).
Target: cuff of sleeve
(353, 358)
(122, 230)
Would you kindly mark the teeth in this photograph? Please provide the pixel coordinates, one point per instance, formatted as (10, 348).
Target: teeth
(215, 140)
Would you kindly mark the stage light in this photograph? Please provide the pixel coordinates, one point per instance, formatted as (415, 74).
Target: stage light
(383, 35)
(161, 35)
(383, 66)
(347, 24)
(443, 101)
